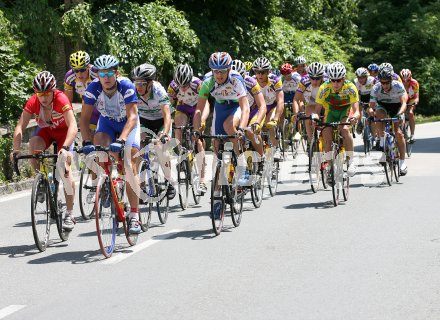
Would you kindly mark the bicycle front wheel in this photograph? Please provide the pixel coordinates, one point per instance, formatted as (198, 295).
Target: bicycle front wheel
(345, 177)
(183, 183)
(105, 217)
(236, 197)
(163, 201)
(86, 194)
(273, 183)
(218, 204)
(314, 165)
(40, 213)
(257, 186)
(145, 210)
(195, 181)
(61, 209)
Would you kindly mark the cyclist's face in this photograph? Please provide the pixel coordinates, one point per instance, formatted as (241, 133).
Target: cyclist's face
(316, 82)
(107, 78)
(362, 80)
(82, 74)
(142, 86)
(386, 85)
(337, 83)
(262, 76)
(374, 73)
(301, 68)
(45, 98)
(220, 75)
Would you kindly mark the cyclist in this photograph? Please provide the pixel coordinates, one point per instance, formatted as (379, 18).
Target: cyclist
(364, 84)
(389, 97)
(340, 100)
(373, 70)
(272, 89)
(56, 122)
(184, 91)
(412, 88)
(115, 98)
(231, 107)
(301, 65)
(290, 81)
(306, 92)
(390, 66)
(155, 114)
(257, 106)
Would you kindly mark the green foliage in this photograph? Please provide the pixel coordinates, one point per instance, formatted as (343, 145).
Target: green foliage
(78, 25)
(6, 170)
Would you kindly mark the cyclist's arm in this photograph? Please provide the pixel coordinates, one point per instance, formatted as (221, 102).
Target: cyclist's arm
(84, 124)
(280, 105)
(69, 94)
(72, 128)
(132, 115)
(201, 106)
(355, 107)
(403, 102)
(22, 123)
(166, 118)
(244, 106)
(261, 104)
(299, 97)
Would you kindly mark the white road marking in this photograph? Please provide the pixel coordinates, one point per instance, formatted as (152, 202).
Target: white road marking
(10, 310)
(137, 248)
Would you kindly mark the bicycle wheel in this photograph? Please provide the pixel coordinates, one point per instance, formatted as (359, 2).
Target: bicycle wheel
(335, 176)
(86, 189)
(408, 146)
(61, 210)
(145, 215)
(314, 165)
(345, 177)
(235, 198)
(217, 202)
(123, 200)
(257, 187)
(303, 131)
(195, 180)
(183, 183)
(162, 199)
(145, 201)
(40, 214)
(273, 185)
(366, 137)
(105, 217)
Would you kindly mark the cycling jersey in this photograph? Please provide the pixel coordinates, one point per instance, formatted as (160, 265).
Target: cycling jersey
(230, 91)
(365, 90)
(71, 82)
(151, 109)
(253, 88)
(413, 91)
(60, 105)
(186, 101)
(270, 91)
(309, 92)
(290, 86)
(337, 104)
(389, 101)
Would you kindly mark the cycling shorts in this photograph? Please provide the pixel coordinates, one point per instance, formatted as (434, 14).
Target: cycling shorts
(50, 135)
(390, 108)
(155, 126)
(113, 128)
(221, 112)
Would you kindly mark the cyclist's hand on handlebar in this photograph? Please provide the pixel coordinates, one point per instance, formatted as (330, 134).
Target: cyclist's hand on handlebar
(88, 147)
(256, 128)
(401, 116)
(15, 153)
(240, 132)
(197, 134)
(352, 120)
(117, 146)
(271, 124)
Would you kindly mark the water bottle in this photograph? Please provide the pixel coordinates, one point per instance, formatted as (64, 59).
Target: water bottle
(51, 182)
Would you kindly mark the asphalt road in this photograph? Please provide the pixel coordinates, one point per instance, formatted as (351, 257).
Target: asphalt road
(376, 256)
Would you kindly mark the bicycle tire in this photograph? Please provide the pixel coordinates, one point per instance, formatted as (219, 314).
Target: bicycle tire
(105, 217)
(408, 146)
(217, 224)
(303, 132)
(387, 164)
(145, 203)
(61, 208)
(162, 204)
(345, 178)
(366, 137)
(314, 166)
(273, 186)
(85, 184)
(40, 225)
(183, 183)
(335, 177)
(257, 187)
(195, 181)
(145, 211)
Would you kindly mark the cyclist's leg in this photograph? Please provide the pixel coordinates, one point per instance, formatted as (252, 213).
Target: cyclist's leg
(180, 119)
(412, 122)
(258, 147)
(40, 141)
(310, 109)
(327, 135)
(270, 114)
(131, 163)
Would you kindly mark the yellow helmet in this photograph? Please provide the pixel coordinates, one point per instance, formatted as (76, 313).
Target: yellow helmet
(79, 60)
(248, 65)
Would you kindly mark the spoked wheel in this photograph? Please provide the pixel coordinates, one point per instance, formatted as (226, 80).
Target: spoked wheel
(303, 140)
(218, 203)
(333, 174)
(273, 181)
(183, 183)
(87, 193)
(366, 136)
(406, 133)
(162, 199)
(257, 187)
(388, 165)
(145, 210)
(345, 177)
(122, 198)
(105, 217)
(195, 180)
(61, 209)
(236, 197)
(40, 212)
(145, 200)
(285, 136)
(314, 166)
(294, 145)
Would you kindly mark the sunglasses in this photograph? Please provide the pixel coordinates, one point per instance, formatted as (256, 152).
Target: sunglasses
(107, 74)
(316, 78)
(80, 70)
(261, 72)
(219, 71)
(47, 93)
(141, 83)
(388, 82)
(336, 80)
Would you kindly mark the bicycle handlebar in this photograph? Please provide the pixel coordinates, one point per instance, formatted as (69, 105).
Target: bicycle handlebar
(39, 156)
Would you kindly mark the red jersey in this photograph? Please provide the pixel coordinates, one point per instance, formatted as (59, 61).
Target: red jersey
(60, 105)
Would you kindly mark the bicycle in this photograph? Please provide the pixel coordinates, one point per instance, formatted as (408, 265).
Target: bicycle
(271, 167)
(53, 206)
(111, 206)
(153, 184)
(390, 160)
(187, 168)
(225, 188)
(367, 135)
(407, 132)
(338, 164)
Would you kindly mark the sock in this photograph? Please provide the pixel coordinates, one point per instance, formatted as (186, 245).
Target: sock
(381, 142)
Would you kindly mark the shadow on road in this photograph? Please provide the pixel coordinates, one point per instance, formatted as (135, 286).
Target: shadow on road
(76, 258)
(320, 205)
(427, 145)
(19, 251)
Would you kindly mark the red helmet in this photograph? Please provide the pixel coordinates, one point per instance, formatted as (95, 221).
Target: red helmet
(44, 82)
(286, 68)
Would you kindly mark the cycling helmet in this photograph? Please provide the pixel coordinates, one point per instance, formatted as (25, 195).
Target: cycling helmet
(248, 66)
(361, 72)
(300, 60)
(104, 62)
(336, 70)
(286, 68)
(316, 69)
(144, 72)
(373, 67)
(385, 73)
(406, 74)
(183, 74)
(79, 60)
(386, 65)
(239, 66)
(220, 60)
(261, 63)
(44, 82)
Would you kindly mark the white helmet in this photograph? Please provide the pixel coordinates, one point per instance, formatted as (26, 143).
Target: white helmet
(300, 60)
(361, 72)
(183, 74)
(239, 66)
(386, 65)
(315, 69)
(262, 63)
(104, 62)
(336, 70)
